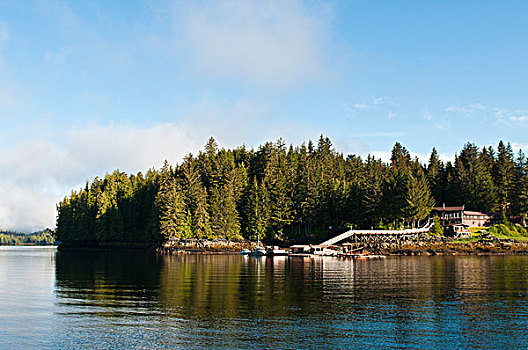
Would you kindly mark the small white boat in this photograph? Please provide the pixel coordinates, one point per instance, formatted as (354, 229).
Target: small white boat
(276, 251)
(258, 251)
(245, 252)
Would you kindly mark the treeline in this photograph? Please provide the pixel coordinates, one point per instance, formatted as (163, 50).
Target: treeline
(36, 238)
(287, 192)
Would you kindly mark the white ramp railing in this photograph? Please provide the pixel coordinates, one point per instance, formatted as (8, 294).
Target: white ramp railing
(351, 233)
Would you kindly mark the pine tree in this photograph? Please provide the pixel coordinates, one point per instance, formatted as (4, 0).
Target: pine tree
(195, 199)
(275, 181)
(437, 229)
(255, 211)
(419, 201)
(200, 223)
(304, 199)
(372, 191)
(504, 175)
(400, 157)
(435, 177)
(170, 205)
(473, 179)
(520, 194)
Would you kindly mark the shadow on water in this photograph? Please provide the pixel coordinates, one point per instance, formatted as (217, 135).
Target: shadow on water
(205, 301)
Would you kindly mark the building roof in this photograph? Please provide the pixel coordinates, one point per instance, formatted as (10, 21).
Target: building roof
(448, 208)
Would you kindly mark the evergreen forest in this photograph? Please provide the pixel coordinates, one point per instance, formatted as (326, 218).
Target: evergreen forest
(293, 193)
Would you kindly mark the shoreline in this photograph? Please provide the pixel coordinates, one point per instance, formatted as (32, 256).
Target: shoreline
(419, 248)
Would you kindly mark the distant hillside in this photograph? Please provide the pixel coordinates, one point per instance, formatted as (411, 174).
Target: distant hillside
(44, 237)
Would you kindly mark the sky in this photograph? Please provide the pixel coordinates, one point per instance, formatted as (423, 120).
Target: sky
(87, 87)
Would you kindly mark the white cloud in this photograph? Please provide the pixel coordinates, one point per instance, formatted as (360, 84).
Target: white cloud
(36, 174)
(522, 118)
(263, 42)
(385, 101)
(29, 185)
(469, 109)
(516, 146)
(427, 115)
(506, 116)
(442, 126)
(24, 210)
(94, 149)
(375, 103)
(361, 106)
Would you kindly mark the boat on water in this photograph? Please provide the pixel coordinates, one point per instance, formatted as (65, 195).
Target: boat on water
(314, 250)
(276, 251)
(257, 251)
(245, 252)
(325, 250)
(300, 250)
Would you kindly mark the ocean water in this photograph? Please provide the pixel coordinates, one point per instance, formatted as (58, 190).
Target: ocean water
(137, 300)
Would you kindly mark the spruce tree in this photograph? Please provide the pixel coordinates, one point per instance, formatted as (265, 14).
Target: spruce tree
(275, 181)
(504, 175)
(255, 211)
(520, 194)
(195, 199)
(435, 177)
(419, 201)
(170, 205)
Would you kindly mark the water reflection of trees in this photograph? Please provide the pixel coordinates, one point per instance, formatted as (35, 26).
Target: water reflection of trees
(234, 286)
(107, 282)
(409, 298)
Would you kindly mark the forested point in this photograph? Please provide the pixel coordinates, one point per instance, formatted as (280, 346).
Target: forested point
(308, 192)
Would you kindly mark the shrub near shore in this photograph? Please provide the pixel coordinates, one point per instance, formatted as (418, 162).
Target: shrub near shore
(509, 230)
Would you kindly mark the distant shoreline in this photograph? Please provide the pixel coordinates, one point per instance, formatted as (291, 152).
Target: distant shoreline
(29, 245)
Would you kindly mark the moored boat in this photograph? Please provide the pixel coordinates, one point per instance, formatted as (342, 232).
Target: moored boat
(276, 251)
(257, 251)
(300, 250)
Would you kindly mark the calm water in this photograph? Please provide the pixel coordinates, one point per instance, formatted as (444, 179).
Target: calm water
(135, 300)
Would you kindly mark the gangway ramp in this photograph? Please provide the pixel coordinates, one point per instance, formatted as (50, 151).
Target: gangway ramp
(379, 233)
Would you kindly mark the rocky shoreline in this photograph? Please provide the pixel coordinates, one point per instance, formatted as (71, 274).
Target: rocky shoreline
(429, 246)
(183, 246)
(453, 247)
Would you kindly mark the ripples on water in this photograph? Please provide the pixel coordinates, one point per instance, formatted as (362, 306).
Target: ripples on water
(138, 300)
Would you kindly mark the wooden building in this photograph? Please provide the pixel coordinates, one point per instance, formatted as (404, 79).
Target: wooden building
(459, 216)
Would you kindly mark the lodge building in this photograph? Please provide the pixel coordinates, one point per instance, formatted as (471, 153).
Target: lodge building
(450, 216)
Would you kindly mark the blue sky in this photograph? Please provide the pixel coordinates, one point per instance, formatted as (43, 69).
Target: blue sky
(88, 87)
